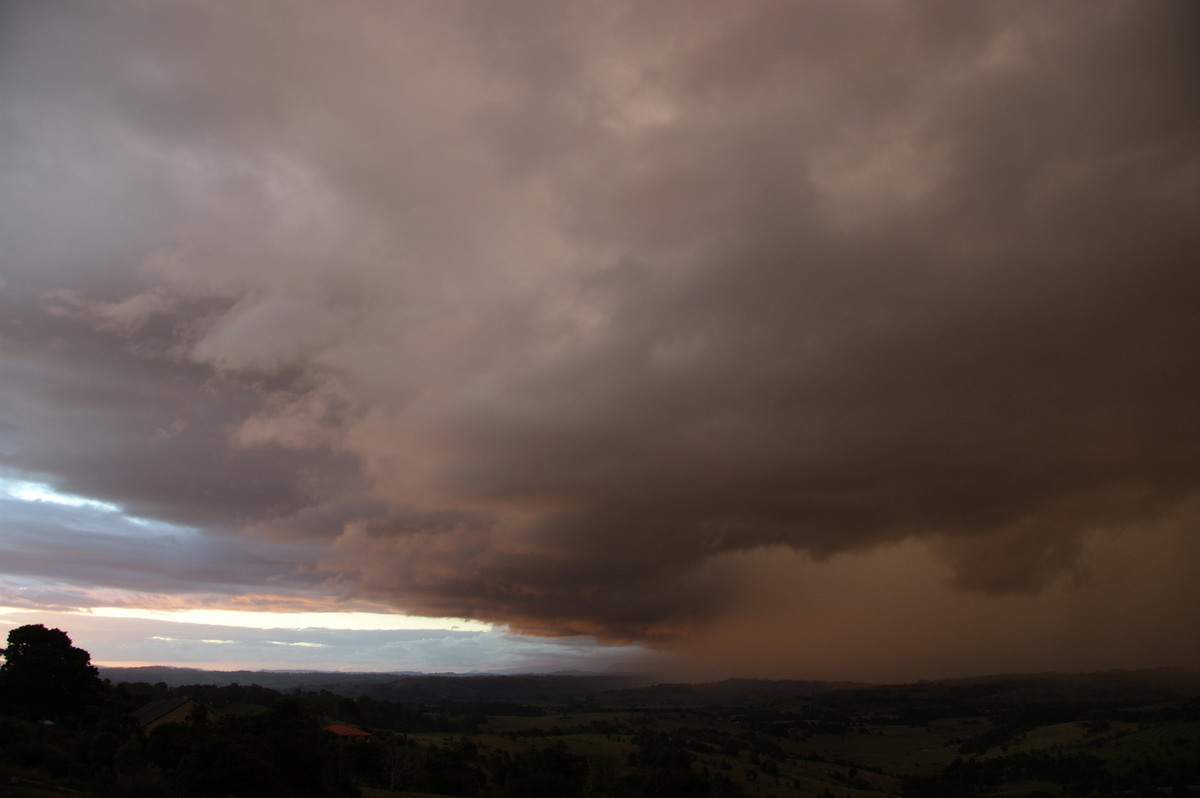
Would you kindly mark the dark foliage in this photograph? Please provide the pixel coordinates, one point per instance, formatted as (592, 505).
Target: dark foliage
(549, 772)
(45, 677)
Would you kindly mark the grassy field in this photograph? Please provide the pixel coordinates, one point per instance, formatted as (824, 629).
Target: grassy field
(1009, 737)
(863, 760)
(375, 792)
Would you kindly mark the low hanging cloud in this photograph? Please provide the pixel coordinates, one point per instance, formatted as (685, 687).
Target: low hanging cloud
(530, 312)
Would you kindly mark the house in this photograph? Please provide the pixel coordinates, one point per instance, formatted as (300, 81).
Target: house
(342, 730)
(169, 710)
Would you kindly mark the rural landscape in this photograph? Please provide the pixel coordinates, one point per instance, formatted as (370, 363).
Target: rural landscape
(71, 729)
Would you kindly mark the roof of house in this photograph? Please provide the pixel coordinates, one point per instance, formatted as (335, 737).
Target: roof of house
(156, 709)
(342, 730)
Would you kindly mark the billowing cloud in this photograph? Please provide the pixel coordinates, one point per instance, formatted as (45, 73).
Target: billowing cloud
(559, 315)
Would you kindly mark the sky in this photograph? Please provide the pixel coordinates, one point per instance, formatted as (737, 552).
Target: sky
(835, 340)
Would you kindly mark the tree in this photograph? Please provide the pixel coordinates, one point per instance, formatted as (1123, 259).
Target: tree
(45, 677)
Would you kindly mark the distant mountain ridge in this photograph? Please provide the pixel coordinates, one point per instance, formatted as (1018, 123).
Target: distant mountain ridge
(539, 688)
(399, 686)
(600, 690)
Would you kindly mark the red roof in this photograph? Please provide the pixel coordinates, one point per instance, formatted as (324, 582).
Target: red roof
(342, 730)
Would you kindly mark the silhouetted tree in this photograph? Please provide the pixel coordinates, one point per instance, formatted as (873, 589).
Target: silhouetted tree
(45, 677)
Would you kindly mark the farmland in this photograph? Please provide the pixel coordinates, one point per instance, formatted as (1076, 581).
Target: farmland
(1033, 736)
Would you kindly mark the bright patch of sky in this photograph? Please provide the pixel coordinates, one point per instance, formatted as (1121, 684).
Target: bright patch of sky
(96, 515)
(118, 640)
(24, 490)
(348, 621)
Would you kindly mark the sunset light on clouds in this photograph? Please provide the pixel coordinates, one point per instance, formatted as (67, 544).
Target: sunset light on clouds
(806, 339)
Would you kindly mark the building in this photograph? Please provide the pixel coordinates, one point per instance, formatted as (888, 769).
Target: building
(342, 730)
(169, 710)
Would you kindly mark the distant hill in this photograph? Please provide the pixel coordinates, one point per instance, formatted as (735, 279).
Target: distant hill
(600, 691)
(276, 680)
(557, 689)
(400, 687)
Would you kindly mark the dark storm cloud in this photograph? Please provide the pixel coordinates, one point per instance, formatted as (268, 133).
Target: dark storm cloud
(147, 432)
(533, 312)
